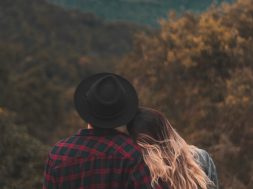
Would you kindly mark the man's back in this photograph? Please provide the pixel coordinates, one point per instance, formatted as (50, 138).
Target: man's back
(96, 159)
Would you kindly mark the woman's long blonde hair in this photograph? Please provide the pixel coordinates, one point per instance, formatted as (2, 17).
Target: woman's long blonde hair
(169, 158)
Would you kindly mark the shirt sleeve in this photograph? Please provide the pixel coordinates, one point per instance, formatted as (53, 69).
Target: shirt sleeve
(49, 175)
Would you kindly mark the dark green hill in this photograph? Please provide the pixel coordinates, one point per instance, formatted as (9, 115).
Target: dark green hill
(45, 50)
(39, 24)
(139, 11)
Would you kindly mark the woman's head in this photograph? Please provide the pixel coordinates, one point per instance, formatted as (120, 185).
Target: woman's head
(152, 127)
(148, 122)
(169, 158)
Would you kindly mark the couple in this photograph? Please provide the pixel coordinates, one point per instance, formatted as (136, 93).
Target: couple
(125, 146)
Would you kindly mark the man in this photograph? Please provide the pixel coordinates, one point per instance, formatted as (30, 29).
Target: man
(100, 157)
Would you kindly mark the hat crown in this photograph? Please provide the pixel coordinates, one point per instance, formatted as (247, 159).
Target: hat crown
(106, 97)
(106, 100)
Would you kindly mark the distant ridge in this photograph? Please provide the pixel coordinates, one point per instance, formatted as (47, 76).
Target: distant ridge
(145, 12)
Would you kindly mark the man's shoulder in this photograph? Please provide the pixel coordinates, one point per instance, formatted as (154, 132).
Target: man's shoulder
(116, 144)
(126, 146)
(63, 145)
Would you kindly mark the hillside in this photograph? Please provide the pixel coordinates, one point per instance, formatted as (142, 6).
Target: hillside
(198, 70)
(44, 50)
(146, 12)
(44, 26)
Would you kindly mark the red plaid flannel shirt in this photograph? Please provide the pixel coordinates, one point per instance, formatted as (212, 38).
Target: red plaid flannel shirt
(96, 159)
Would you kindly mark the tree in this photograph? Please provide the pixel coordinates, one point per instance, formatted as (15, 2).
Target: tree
(21, 155)
(197, 69)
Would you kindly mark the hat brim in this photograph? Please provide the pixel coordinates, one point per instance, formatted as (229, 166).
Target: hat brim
(82, 106)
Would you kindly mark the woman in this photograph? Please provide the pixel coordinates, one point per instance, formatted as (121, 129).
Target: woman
(172, 162)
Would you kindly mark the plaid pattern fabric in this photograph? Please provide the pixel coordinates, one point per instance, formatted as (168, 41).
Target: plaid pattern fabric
(96, 159)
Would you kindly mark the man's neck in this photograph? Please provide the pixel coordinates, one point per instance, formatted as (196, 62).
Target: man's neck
(89, 126)
(122, 129)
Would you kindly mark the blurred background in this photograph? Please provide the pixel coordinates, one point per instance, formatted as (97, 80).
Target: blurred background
(191, 59)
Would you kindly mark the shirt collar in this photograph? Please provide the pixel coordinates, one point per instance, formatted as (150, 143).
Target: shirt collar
(98, 132)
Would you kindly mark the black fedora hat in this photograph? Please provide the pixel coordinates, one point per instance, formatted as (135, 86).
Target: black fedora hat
(106, 100)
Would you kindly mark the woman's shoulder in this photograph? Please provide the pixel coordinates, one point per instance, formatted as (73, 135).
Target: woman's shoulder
(202, 156)
(206, 162)
(204, 159)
